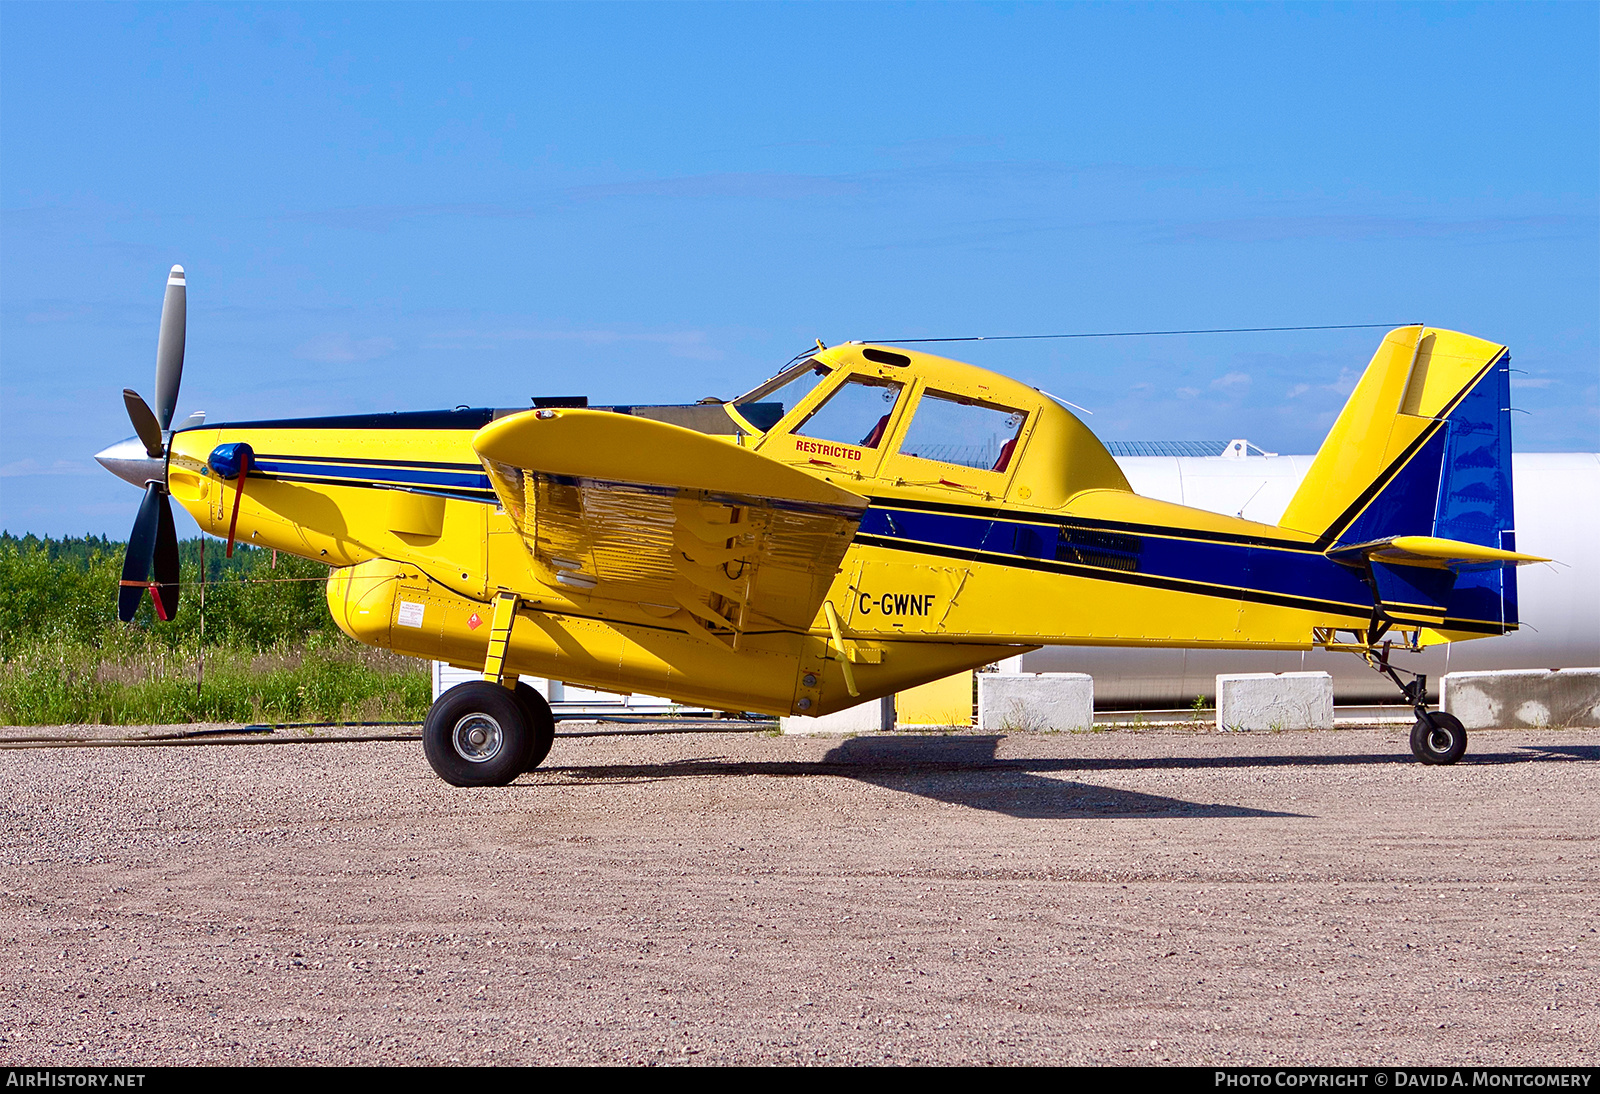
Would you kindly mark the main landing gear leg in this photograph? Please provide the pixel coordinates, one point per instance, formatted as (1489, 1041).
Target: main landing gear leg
(1437, 737)
(487, 732)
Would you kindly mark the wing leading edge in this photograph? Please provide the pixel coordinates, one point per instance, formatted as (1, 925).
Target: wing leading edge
(670, 520)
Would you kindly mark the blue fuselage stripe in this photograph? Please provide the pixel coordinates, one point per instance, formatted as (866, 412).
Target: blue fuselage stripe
(424, 478)
(1229, 566)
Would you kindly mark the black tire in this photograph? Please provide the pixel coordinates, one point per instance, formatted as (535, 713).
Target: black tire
(1438, 738)
(477, 734)
(541, 724)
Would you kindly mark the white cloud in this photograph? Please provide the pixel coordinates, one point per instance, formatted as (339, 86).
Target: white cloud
(1231, 380)
(731, 184)
(57, 314)
(1298, 390)
(1345, 384)
(338, 348)
(691, 344)
(30, 467)
(1187, 392)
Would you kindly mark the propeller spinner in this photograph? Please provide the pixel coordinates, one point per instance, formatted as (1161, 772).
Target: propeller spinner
(142, 460)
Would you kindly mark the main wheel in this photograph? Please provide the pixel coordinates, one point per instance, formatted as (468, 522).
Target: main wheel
(477, 734)
(541, 725)
(1438, 738)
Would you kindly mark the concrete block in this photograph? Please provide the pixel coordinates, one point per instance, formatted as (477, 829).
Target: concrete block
(1531, 698)
(1035, 701)
(1266, 701)
(873, 716)
(946, 702)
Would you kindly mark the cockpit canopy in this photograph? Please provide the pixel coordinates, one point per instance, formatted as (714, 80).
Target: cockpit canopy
(914, 420)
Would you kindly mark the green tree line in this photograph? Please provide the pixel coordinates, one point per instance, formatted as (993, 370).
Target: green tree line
(271, 651)
(66, 590)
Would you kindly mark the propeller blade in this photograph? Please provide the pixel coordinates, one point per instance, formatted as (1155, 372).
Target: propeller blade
(144, 423)
(193, 421)
(141, 549)
(165, 594)
(169, 350)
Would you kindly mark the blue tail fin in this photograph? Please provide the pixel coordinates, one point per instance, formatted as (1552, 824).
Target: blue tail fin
(1453, 482)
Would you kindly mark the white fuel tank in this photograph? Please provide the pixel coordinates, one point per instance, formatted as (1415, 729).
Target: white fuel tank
(1557, 514)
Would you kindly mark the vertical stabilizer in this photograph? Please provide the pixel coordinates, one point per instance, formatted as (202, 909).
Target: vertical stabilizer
(1422, 448)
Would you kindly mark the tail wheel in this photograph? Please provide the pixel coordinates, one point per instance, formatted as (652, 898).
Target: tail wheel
(1438, 738)
(478, 734)
(541, 723)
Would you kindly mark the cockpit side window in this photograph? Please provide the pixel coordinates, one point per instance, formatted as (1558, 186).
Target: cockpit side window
(965, 432)
(857, 413)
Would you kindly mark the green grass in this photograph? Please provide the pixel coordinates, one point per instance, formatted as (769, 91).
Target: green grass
(272, 652)
(134, 680)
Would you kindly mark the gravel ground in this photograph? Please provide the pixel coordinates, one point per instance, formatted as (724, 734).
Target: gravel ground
(1119, 897)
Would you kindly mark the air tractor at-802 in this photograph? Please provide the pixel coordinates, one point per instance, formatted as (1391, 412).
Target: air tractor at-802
(869, 519)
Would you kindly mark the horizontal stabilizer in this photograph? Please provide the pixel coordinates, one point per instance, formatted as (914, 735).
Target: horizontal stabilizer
(1433, 552)
(1417, 577)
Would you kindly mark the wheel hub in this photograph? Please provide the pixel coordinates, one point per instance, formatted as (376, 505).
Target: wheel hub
(477, 738)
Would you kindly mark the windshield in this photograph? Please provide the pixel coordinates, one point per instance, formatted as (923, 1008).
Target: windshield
(766, 405)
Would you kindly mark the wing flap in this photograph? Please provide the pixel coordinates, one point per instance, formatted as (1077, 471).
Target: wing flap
(634, 510)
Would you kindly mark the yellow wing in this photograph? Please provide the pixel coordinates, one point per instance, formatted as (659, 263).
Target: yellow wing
(671, 520)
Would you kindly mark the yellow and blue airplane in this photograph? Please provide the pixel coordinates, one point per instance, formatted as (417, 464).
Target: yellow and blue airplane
(869, 519)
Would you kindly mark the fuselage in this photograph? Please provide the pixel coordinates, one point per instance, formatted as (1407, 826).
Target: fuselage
(968, 552)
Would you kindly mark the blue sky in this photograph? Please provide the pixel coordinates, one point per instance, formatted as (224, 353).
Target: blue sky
(389, 206)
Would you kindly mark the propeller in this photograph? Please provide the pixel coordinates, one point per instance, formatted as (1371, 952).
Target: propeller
(144, 424)
(153, 542)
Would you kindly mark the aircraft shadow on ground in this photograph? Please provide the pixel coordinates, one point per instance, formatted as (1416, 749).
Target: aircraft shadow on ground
(958, 770)
(1552, 752)
(965, 770)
